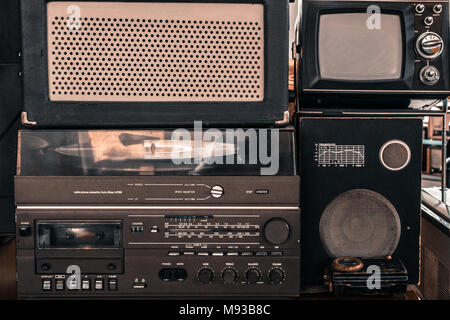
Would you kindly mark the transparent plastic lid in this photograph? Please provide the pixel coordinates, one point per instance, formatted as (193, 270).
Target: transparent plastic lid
(248, 152)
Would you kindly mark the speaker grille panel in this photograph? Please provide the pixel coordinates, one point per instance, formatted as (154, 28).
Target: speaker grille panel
(360, 223)
(125, 52)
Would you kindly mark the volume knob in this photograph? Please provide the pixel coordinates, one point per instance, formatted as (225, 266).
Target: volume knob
(429, 45)
(276, 276)
(277, 231)
(429, 75)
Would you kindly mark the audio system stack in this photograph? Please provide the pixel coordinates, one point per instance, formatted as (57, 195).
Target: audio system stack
(359, 65)
(156, 158)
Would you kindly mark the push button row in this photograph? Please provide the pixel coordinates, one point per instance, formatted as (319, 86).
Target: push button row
(85, 285)
(229, 253)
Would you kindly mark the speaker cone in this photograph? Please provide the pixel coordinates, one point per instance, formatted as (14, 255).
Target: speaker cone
(360, 223)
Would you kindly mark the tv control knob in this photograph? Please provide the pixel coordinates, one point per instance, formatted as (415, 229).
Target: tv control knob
(429, 75)
(428, 20)
(229, 275)
(277, 276)
(437, 8)
(277, 231)
(253, 275)
(206, 276)
(420, 8)
(429, 45)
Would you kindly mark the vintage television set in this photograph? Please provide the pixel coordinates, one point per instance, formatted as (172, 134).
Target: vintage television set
(137, 63)
(354, 50)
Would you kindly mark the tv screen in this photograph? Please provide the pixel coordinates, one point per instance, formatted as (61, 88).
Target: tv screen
(349, 50)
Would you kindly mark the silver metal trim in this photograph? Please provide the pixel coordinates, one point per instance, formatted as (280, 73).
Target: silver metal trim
(26, 207)
(285, 121)
(25, 121)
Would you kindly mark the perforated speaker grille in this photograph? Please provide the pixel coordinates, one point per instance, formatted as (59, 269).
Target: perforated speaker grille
(360, 223)
(395, 155)
(197, 52)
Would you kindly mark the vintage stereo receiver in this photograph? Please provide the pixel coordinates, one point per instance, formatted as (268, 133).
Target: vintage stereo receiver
(116, 207)
(362, 51)
(142, 63)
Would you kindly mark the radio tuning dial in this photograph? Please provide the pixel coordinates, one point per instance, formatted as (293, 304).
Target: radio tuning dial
(429, 75)
(276, 276)
(277, 231)
(229, 275)
(206, 276)
(253, 275)
(429, 45)
(420, 8)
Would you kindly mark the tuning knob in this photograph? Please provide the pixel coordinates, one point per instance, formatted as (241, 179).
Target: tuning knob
(429, 75)
(429, 45)
(229, 275)
(253, 275)
(277, 231)
(206, 276)
(276, 276)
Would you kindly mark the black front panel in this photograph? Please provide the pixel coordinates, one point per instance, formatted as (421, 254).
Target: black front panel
(164, 252)
(10, 106)
(231, 103)
(10, 31)
(351, 202)
(409, 83)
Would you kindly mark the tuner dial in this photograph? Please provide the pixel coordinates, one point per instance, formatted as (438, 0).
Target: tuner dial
(429, 45)
(229, 275)
(277, 276)
(429, 75)
(206, 276)
(437, 8)
(253, 275)
(420, 8)
(277, 231)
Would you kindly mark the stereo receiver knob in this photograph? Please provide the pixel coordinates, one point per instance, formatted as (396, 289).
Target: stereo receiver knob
(429, 75)
(206, 276)
(276, 276)
(229, 275)
(277, 231)
(253, 275)
(420, 8)
(429, 45)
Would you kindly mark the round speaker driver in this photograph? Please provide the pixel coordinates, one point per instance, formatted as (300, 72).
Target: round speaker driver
(360, 223)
